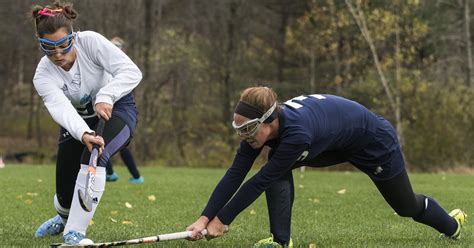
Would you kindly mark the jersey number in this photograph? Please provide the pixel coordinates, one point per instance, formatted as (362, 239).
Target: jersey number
(296, 105)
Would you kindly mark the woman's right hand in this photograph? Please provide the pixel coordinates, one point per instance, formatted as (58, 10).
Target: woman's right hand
(197, 227)
(89, 140)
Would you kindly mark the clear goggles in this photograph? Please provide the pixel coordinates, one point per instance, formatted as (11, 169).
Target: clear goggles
(63, 45)
(250, 127)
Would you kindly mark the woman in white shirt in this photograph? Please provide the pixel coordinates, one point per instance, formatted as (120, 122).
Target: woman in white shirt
(81, 78)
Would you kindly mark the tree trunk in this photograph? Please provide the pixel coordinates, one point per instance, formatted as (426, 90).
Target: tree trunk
(398, 77)
(281, 51)
(229, 58)
(467, 24)
(312, 72)
(147, 93)
(361, 23)
(337, 53)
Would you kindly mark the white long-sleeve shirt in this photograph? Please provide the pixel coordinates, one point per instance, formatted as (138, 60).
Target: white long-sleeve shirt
(101, 73)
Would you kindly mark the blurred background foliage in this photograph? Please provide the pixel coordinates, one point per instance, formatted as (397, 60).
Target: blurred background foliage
(410, 61)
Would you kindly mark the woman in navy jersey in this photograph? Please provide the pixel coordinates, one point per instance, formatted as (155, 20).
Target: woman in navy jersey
(81, 77)
(317, 131)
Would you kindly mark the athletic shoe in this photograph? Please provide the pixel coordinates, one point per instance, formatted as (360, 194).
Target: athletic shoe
(112, 178)
(51, 227)
(136, 180)
(73, 237)
(269, 243)
(460, 218)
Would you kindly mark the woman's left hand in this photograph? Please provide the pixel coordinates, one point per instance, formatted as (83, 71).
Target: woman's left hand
(215, 228)
(104, 110)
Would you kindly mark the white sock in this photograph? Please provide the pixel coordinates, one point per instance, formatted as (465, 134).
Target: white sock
(79, 218)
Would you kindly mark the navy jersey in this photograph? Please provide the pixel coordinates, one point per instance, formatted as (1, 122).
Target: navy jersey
(308, 126)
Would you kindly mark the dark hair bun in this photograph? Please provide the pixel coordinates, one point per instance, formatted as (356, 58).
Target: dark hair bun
(67, 8)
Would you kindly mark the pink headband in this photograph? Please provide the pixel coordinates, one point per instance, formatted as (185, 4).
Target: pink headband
(49, 12)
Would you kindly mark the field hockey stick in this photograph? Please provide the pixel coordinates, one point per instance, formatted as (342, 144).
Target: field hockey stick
(87, 199)
(151, 239)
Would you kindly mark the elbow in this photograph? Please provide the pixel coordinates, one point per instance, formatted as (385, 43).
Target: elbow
(139, 75)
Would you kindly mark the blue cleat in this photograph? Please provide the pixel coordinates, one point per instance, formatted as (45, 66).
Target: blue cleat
(136, 180)
(51, 227)
(112, 178)
(73, 237)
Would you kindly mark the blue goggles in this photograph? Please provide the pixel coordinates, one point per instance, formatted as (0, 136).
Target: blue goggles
(63, 45)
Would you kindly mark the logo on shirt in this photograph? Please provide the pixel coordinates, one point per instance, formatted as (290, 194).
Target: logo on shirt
(85, 99)
(76, 79)
(303, 156)
(64, 88)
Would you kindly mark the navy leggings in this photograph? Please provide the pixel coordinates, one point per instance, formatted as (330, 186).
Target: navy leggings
(396, 190)
(72, 153)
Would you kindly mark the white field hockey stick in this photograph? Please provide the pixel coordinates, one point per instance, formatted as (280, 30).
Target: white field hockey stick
(87, 199)
(151, 239)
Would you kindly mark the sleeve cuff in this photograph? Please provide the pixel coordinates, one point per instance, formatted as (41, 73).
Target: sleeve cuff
(224, 220)
(104, 98)
(81, 132)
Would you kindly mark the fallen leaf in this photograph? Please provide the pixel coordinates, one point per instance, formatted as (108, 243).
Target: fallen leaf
(128, 205)
(301, 186)
(312, 245)
(113, 212)
(39, 180)
(152, 198)
(28, 201)
(252, 212)
(342, 191)
(91, 223)
(113, 220)
(316, 200)
(127, 222)
(32, 194)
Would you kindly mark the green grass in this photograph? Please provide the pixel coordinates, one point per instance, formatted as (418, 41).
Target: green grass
(358, 218)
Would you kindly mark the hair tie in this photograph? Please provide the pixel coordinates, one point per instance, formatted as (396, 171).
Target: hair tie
(49, 12)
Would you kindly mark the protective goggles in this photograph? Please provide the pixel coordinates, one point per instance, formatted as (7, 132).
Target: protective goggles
(63, 45)
(250, 127)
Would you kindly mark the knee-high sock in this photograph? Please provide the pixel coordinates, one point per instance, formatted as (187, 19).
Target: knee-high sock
(280, 196)
(79, 218)
(63, 212)
(435, 216)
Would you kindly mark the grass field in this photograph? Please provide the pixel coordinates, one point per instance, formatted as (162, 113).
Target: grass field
(323, 215)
